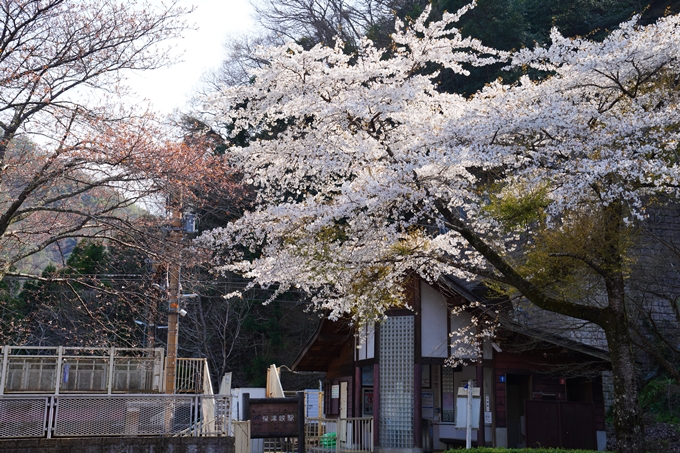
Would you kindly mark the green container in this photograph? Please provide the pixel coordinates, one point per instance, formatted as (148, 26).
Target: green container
(328, 440)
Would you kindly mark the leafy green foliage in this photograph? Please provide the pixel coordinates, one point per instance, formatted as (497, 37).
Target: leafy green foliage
(82, 304)
(518, 212)
(87, 257)
(256, 371)
(12, 311)
(660, 398)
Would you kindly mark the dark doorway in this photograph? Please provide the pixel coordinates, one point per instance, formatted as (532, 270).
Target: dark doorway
(580, 390)
(517, 392)
(560, 424)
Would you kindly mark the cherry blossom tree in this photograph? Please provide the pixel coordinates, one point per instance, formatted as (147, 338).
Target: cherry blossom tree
(367, 174)
(74, 160)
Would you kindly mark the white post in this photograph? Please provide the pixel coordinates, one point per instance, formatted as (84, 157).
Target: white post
(228, 401)
(52, 408)
(109, 384)
(59, 372)
(468, 418)
(198, 424)
(3, 378)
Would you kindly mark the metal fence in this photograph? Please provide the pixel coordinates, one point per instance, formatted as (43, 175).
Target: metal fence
(55, 370)
(327, 435)
(192, 376)
(114, 415)
(24, 416)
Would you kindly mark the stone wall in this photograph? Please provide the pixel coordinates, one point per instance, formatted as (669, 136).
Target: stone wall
(120, 445)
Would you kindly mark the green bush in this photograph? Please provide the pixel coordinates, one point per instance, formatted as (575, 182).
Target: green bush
(660, 399)
(524, 450)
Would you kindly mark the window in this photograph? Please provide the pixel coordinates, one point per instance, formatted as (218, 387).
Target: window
(448, 395)
(396, 382)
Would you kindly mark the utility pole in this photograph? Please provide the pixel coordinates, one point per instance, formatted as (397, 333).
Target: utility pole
(173, 302)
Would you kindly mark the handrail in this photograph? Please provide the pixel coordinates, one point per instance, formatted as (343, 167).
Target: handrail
(51, 370)
(338, 435)
(191, 375)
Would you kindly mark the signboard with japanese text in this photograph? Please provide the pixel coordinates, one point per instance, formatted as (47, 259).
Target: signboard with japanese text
(276, 417)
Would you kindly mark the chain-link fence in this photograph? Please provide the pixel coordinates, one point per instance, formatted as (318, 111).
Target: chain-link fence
(23, 416)
(114, 415)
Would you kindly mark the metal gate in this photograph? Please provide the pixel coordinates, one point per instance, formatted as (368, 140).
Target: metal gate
(560, 424)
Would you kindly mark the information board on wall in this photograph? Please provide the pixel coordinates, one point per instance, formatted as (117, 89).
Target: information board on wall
(462, 405)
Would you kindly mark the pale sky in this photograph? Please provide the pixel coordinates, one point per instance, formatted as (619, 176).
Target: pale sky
(170, 88)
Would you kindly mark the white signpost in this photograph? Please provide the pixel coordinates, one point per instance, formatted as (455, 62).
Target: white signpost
(468, 405)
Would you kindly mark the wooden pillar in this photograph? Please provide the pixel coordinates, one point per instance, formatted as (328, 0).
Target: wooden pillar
(301, 422)
(376, 405)
(357, 410)
(480, 383)
(418, 405)
(417, 367)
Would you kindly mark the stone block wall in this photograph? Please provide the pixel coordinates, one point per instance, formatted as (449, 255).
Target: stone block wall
(120, 445)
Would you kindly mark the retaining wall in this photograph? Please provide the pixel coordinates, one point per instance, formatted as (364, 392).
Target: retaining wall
(120, 445)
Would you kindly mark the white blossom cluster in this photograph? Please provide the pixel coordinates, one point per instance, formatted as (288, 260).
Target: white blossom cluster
(358, 154)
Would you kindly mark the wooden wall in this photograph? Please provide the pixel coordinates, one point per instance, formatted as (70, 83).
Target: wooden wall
(543, 385)
(340, 370)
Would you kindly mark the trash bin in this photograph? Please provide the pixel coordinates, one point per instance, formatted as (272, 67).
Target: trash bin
(426, 430)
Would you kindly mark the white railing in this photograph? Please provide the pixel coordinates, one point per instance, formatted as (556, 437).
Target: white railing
(191, 375)
(241, 436)
(55, 370)
(114, 415)
(328, 435)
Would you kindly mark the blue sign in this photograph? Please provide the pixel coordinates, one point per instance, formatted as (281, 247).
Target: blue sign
(502, 378)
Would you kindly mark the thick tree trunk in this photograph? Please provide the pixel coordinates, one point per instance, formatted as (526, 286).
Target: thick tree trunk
(628, 423)
(608, 262)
